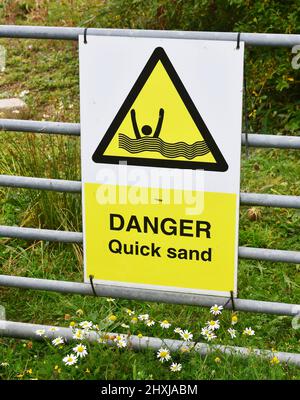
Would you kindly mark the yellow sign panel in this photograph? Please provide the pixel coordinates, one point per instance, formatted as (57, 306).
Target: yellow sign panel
(159, 125)
(159, 244)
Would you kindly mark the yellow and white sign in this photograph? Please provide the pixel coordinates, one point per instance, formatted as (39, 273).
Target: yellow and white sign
(160, 139)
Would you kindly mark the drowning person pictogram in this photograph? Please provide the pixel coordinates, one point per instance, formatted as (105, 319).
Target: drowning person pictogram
(159, 125)
(154, 143)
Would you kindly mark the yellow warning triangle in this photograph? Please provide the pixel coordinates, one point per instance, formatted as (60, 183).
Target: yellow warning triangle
(159, 125)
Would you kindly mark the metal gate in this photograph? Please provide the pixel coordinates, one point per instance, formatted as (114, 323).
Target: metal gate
(21, 330)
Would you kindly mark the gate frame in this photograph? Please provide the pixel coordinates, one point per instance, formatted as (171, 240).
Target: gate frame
(17, 329)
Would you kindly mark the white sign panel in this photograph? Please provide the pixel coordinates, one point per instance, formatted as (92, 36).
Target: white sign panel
(160, 148)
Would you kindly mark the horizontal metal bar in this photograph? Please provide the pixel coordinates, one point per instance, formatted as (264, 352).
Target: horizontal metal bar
(254, 253)
(268, 200)
(22, 125)
(130, 293)
(251, 253)
(271, 141)
(66, 33)
(61, 185)
(58, 185)
(23, 330)
(40, 234)
(66, 128)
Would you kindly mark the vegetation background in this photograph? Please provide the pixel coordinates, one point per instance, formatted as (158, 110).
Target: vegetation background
(45, 74)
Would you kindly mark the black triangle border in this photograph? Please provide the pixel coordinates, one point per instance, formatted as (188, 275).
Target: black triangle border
(160, 55)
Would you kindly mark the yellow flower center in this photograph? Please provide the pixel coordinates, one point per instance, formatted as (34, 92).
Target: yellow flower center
(184, 349)
(275, 360)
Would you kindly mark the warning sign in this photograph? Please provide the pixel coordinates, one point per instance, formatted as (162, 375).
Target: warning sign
(176, 137)
(160, 147)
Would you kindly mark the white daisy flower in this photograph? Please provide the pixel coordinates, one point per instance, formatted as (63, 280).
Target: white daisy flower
(120, 340)
(4, 364)
(232, 332)
(129, 312)
(213, 324)
(57, 341)
(186, 348)
(125, 326)
(70, 359)
(53, 329)
(150, 322)
(210, 336)
(119, 337)
(121, 343)
(165, 324)
(205, 331)
(186, 335)
(216, 310)
(143, 317)
(110, 299)
(79, 334)
(175, 367)
(249, 331)
(24, 93)
(80, 350)
(163, 354)
(86, 324)
(178, 330)
(103, 338)
(40, 332)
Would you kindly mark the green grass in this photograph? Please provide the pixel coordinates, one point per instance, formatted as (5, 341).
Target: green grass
(49, 70)
(117, 364)
(112, 363)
